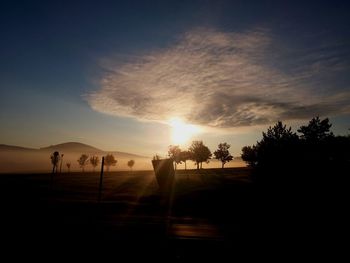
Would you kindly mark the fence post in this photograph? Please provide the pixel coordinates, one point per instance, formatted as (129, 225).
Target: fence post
(101, 180)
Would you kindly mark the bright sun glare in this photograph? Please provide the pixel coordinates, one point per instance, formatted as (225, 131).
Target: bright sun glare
(181, 132)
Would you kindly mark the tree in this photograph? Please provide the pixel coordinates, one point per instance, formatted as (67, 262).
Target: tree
(83, 160)
(199, 153)
(184, 157)
(68, 166)
(317, 130)
(94, 161)
(55, 158)
(249, 155)
(131, 164)
(110, 161)
(174, 154)
(278, 147)
(223, 154)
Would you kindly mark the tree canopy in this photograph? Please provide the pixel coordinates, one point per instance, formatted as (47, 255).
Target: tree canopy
(222, 153)
(199, 153)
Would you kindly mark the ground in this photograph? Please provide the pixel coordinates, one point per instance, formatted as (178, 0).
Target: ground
(211, 213)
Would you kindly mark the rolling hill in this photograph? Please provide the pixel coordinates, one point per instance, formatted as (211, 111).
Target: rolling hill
(21, 159)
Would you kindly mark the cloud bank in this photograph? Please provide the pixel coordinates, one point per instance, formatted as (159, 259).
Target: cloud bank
(224, 79)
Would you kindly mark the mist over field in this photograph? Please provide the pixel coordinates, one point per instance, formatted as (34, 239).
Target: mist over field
(26, 160)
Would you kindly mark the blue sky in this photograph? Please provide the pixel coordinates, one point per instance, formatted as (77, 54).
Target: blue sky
(112, 73)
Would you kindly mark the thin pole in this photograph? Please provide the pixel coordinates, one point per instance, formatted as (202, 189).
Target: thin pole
(101, 180)
(61, 163)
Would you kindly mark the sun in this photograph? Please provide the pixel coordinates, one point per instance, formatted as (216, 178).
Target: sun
(182, 132)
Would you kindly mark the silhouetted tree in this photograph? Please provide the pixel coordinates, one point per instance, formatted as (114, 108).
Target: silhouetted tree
(94, 161)
(249, 155)
(68, 166)
(223, 154)
(184, 157)
(131, 164)
(55, 158)
(110, 161)
(278, 146)
(281, 151)
(199, 153)
(317, 130)
(174, 154)
(82, 161)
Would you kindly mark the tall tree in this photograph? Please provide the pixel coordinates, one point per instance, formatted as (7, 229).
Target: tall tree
(317, 130)
(55, 158)
(222, 153)
(249, 155)
(174, 154)
(131, 164)
(110, 161)
(82, 161)
(94, 161)
(199, 153)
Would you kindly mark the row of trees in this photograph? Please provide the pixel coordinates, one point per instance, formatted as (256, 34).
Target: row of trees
(85, 160)
(314, 148)
(199, 153)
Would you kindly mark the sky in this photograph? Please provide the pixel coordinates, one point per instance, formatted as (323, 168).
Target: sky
(127, 75)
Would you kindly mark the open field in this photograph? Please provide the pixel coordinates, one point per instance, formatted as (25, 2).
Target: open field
(210, 213)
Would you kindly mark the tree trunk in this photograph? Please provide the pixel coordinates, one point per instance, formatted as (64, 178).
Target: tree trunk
(197, 166)
(222, 166)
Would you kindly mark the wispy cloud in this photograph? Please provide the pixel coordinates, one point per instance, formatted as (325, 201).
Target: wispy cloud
(224, 79)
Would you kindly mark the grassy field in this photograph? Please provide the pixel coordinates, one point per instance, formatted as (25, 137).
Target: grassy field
(206, 207)
(209, 214)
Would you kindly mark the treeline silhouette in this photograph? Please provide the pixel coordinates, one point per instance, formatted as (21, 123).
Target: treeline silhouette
(313, 155)
(198, 152)
(84, 160)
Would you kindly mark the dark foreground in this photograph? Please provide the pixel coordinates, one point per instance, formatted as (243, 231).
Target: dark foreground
(210, 214)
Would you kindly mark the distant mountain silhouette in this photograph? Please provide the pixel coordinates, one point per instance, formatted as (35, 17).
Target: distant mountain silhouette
(68, 147)
(72, 147)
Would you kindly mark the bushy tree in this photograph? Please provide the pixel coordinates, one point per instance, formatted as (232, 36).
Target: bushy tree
(281, 154)
(174, 154)
(222, 153)
(250, 156)
(83, 160)
(317, 130)
(110, 161)
(199, 153)
(131, 164)
(278, 146)
(55, 158)
(94, 161)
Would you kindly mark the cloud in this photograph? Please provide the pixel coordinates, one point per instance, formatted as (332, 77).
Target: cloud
(224, 79)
